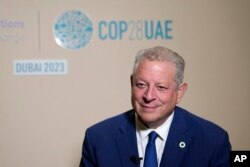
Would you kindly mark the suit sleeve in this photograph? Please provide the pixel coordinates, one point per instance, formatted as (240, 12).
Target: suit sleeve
(221, 157)
(88, 156)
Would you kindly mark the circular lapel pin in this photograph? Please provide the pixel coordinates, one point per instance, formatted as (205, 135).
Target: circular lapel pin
(182, 144)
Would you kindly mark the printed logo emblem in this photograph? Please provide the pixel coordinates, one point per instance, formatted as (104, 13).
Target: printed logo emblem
(73, 30)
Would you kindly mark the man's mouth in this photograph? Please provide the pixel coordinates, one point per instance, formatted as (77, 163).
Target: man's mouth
(148, 108)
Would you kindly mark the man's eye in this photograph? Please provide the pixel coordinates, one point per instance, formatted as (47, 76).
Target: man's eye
(162, 88)
(141, 85)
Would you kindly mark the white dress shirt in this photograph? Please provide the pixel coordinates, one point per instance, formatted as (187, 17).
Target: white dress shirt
(142, 138)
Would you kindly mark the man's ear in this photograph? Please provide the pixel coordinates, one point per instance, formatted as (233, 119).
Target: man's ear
(181, 91)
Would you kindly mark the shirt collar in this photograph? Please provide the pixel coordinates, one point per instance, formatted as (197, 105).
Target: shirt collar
(162, 130)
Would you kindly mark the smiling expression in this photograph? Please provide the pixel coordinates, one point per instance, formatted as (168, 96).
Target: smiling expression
(154, 92)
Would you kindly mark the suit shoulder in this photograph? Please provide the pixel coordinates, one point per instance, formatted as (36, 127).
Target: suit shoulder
(200, 123)
(110, 125)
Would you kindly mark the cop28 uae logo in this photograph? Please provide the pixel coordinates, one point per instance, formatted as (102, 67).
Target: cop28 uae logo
(73, 30)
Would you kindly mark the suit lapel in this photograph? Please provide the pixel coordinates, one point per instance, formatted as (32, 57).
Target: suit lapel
(127, 143)
(178, 141)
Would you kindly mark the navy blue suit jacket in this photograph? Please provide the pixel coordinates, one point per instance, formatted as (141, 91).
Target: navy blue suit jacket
(112, 143)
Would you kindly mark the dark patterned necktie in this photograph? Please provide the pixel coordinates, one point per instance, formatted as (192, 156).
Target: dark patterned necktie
(150, 154)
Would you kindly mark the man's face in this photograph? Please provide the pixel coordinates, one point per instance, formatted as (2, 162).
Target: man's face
(154, 92)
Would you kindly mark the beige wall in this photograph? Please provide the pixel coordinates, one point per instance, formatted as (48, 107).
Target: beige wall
(43, 118)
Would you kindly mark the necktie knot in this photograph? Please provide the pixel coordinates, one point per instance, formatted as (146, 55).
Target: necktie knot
(152, 136)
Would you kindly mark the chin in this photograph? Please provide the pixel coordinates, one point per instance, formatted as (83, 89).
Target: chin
(148, 118)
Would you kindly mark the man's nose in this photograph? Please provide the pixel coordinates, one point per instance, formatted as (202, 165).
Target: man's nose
(149, 94)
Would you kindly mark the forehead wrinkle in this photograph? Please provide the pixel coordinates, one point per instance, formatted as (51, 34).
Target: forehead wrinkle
(163, 72)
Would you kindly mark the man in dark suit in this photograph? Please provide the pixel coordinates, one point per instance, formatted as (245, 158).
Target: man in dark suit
(156, 133)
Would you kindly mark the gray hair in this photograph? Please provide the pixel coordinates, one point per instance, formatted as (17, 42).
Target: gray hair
(162, 54)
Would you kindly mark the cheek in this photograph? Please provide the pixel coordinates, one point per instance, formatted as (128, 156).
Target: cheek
(168, 98)
(137, 94)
